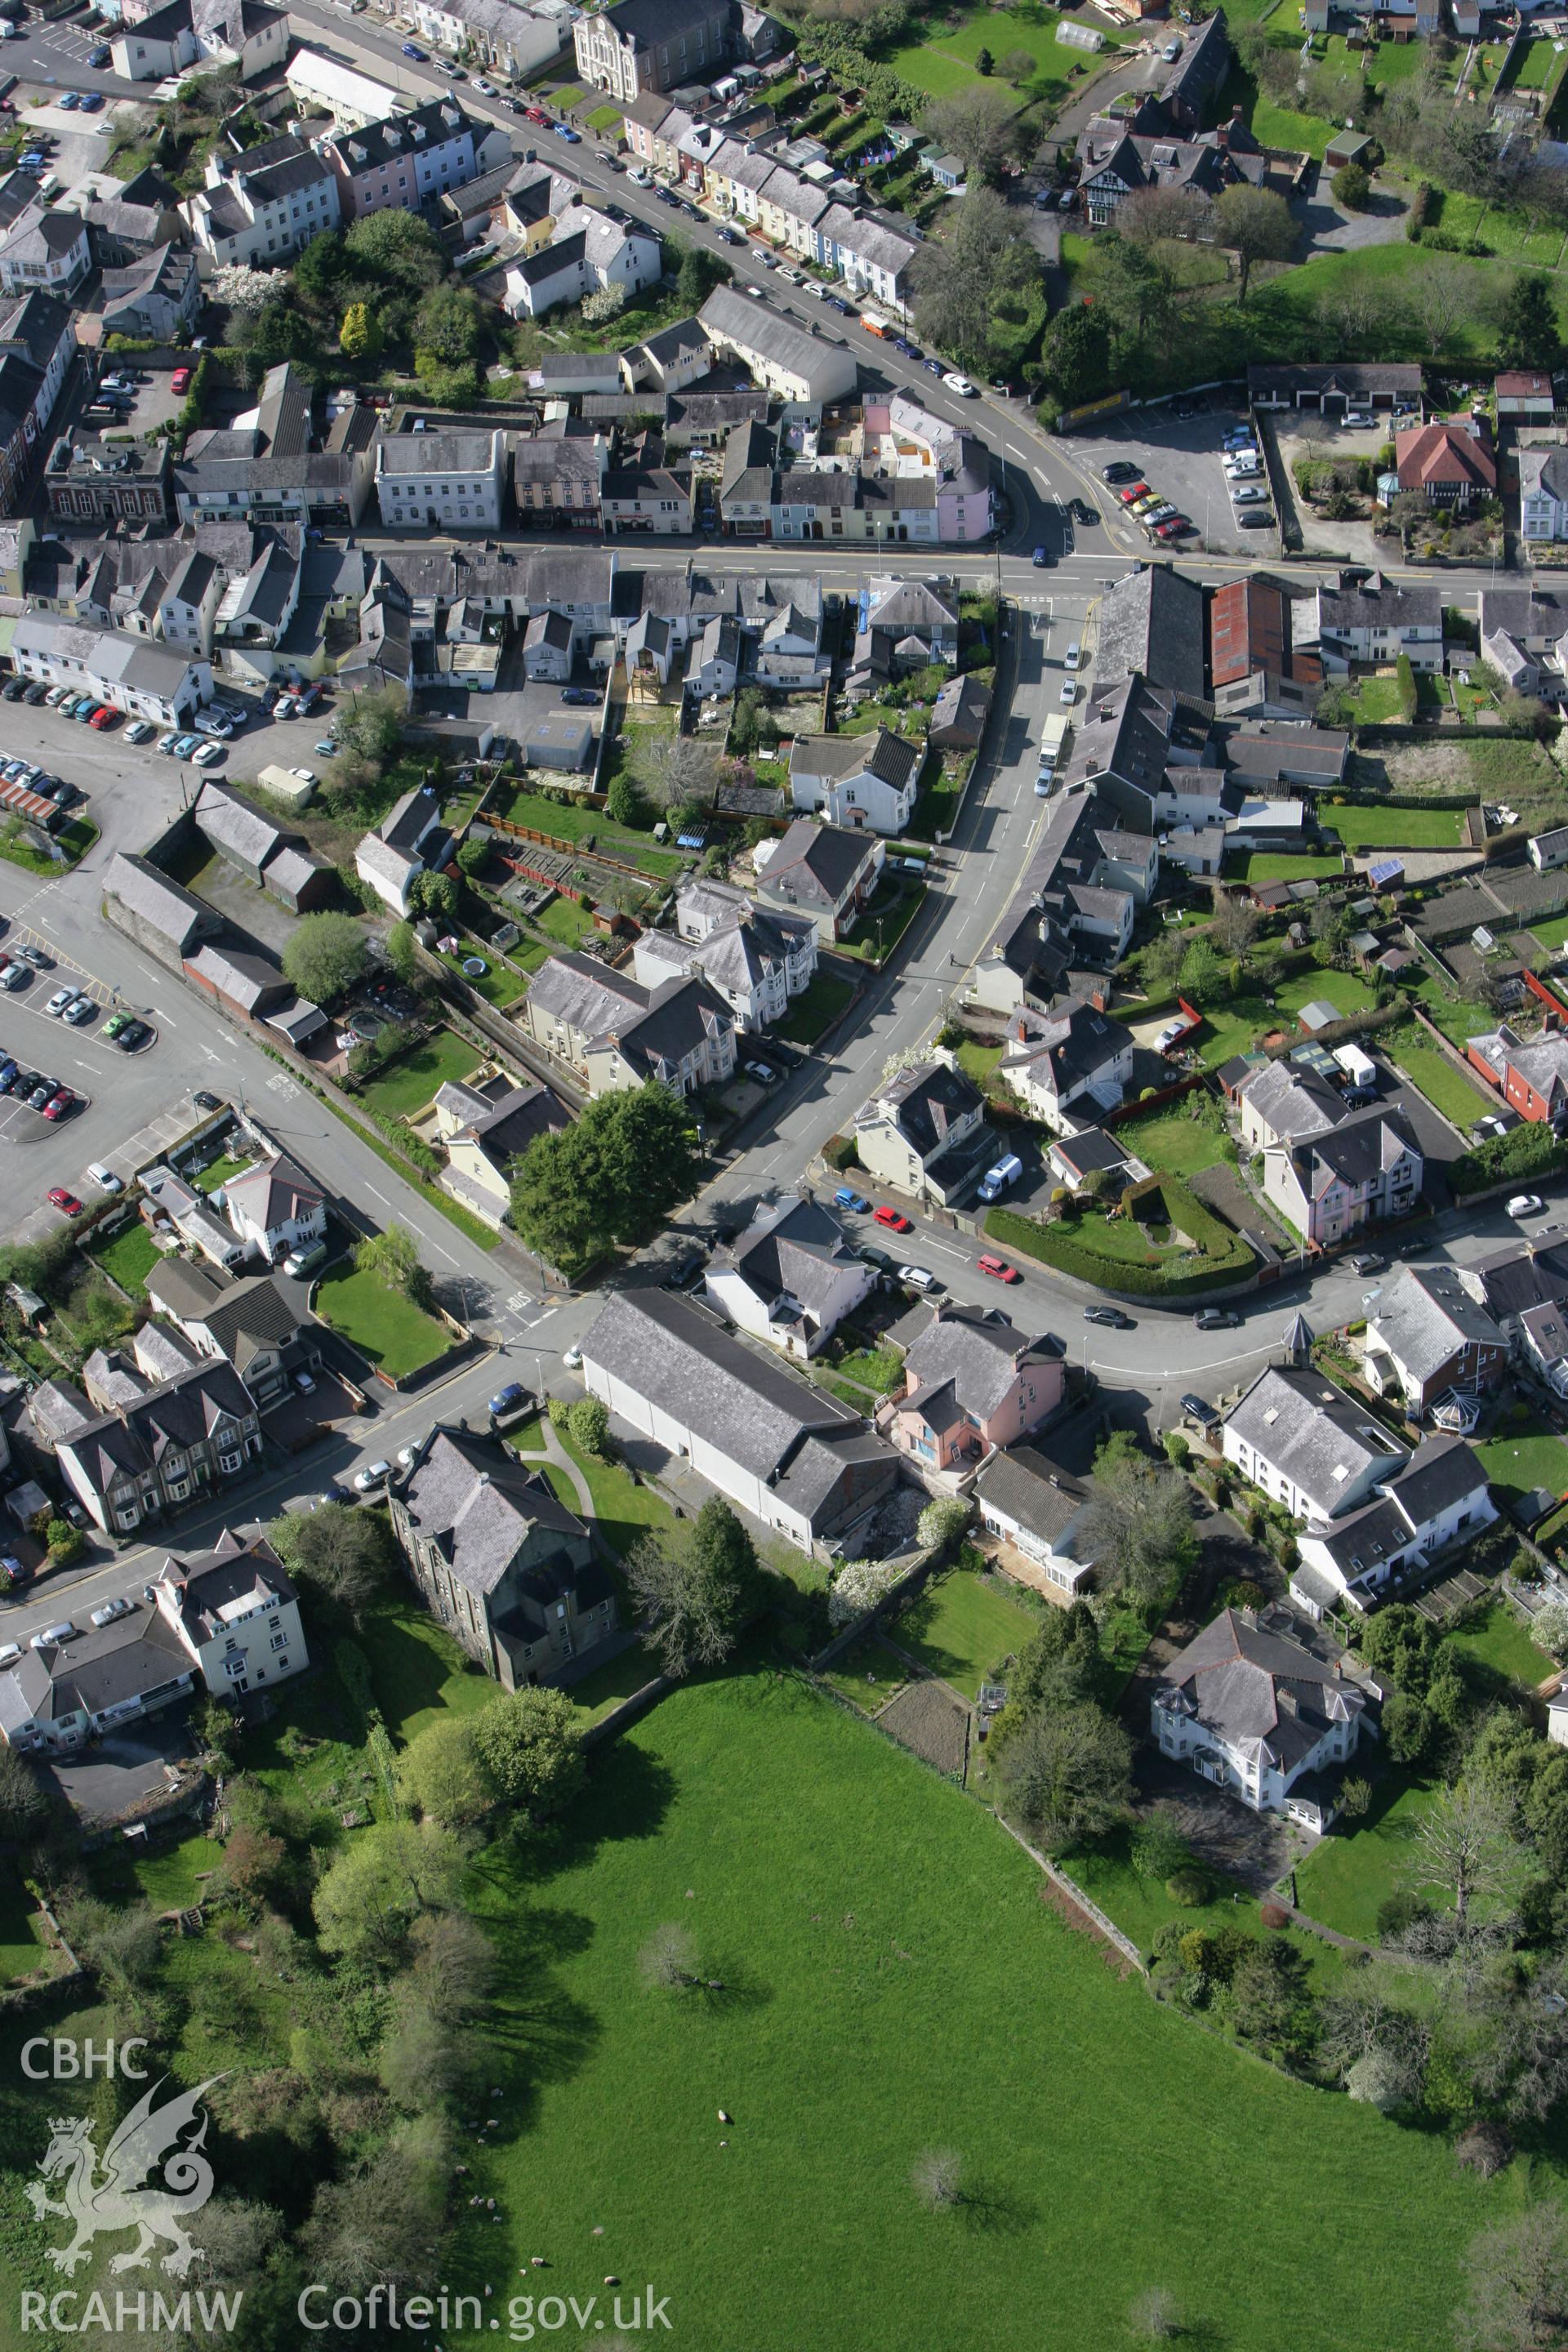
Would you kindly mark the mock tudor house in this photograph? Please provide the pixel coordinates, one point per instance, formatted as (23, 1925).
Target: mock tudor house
(1256, 1714)
(1308, 1444)
(1439, 1497)
(1445, 464)
(499, 1561)
(972, 1385)
(791, 1277)
(796, 1459)
(1429, 1336)
(923, 1129)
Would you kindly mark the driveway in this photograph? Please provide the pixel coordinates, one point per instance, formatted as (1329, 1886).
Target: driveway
(123, 1769)
(1440, 1145)
(1329, 228)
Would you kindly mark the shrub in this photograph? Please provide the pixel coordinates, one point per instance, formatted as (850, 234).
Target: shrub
(1398, 1912)
(1351, 187)
(1530, 1150)
(1405, 678)
(1273, 1917)
(841, 1153)
(1188, 1888)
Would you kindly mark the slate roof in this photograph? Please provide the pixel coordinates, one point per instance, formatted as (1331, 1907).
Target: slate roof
(746, 1406)
(1263, 1696)
(1318, 1438)
(929, 1102)
(441, 120)
(801, 1256)
(974, 1350)
(818, 863)
(1427, 1315)
(234, 1577)
(1291, 1101)
(273, 1194)
(178, 1413)
(585, 995)
(731, 318)
(479, 1505)
(892, 759)
(1026, 1484)
(154, 899)
(1153, 622)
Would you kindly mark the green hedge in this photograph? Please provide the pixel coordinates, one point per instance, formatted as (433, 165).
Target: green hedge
(1058, 1246)
(1526, 1150)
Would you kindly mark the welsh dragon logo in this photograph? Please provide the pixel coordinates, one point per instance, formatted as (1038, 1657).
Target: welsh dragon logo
(122, 2197)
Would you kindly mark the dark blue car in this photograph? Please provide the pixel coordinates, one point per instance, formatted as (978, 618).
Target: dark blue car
(508, 1400)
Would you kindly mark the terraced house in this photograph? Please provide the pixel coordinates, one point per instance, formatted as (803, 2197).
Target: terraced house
(166, 1443)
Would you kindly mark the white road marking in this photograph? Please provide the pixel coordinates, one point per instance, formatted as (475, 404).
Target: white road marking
(167, 1018)
(379, 1196)
(948, 1251)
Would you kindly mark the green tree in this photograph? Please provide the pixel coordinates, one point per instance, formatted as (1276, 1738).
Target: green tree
(345, 1557)
(23, 1800)
(473, 858)
(941, 1522)
(1203, 977)
(1077, 354)
(393, 1258)
(372, 724)
(65, 1543)
(441, 1774)
(401, 248)
(529, 1745)
(360, 335)
(1139, 1521)
(1270, 2001)
(1528, 334)
(628, 1159)
(319, 266)
(450, 324)
(695, 1598)
(400, 953)
(589, 1421)
(1060, 1664)
(1256, 226)
(1353, 187)
(324, 955)
(376, 1888)
(623, 803)
(697, 271)
(1067, 1773)
(985, 63)
(435, 895)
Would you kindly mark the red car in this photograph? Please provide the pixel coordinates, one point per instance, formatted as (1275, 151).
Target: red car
(999, 1269)
(1133, 491)
(65, 1201)
(63, 1102)
(894, 1219)
(1176, 528)
(104, 717)
(180, 380)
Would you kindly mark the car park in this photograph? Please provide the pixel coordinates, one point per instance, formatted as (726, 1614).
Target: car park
(1121, 471)
(60, 1000)
(37, 692)
(139, 730)
(104, 718)
(207, 755)
(14, 689)
(1255, 518)
(894, 1219)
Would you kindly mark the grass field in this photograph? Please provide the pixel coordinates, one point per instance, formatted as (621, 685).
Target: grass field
(130, 1256)
(1553, 932)
(1393, 827)
(1501, 1641)
(1444, 1088)
(21, 1951)
(962, 1626)
(1360, 1864)
(1172, 1144)
(1521, 1458)
(622, 1509)
(868, 1674)
(819, 1004)
(895, 1982)
(396, 1336)
(411, 1083)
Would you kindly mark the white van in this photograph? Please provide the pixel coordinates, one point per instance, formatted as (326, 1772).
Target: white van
(997, 1179)
(105, 1178)
(305, 1261)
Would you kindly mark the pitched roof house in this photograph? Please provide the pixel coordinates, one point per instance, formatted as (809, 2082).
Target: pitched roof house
(500, 1562)
(1308, 1444)
(1438, 1497)
(1445, 464)
(1361, 1172)
(1429, 1335)
(791, 1277)
(1257, 1713)
(857, 780)
(1068, 1066)
(972, 1385)
(275, 1208)
(924, 1130)
(797, 1460)
(824, 871)
(1033, 1504)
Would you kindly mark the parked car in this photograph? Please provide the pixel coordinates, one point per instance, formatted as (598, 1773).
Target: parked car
(207, 755)
(998, 1268)
(581, 697)
(1111, 1317)
(180, 380)
(67, 1202)
(1216, 1319)
(508, 1400)
(113, 1610)
(375, 1474)
(139, 730)
(1525, 1204)
(412, 49)
(1368, 1262)
(80, 1009)
(894, 1219)
(134, 1034)
(60, 1000)
(848, 1198)
(1121, 471)
(919, 1277)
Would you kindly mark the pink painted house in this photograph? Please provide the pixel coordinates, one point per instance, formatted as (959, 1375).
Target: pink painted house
(971, 1384)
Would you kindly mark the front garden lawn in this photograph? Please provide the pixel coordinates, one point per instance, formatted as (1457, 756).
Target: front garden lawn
(820, 1003)
(977, 1061)
(129, 1256)
(1553, 934)
(1446, 1088)
(1172, 1144)
(885, 921)
(414, 1081)
(1391, 826)
(1362, 1863)
(962, 1626)
(1525, 1455)
(396, 1336)
(1502, 1640)
(896, 1981)
(623, 1510)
